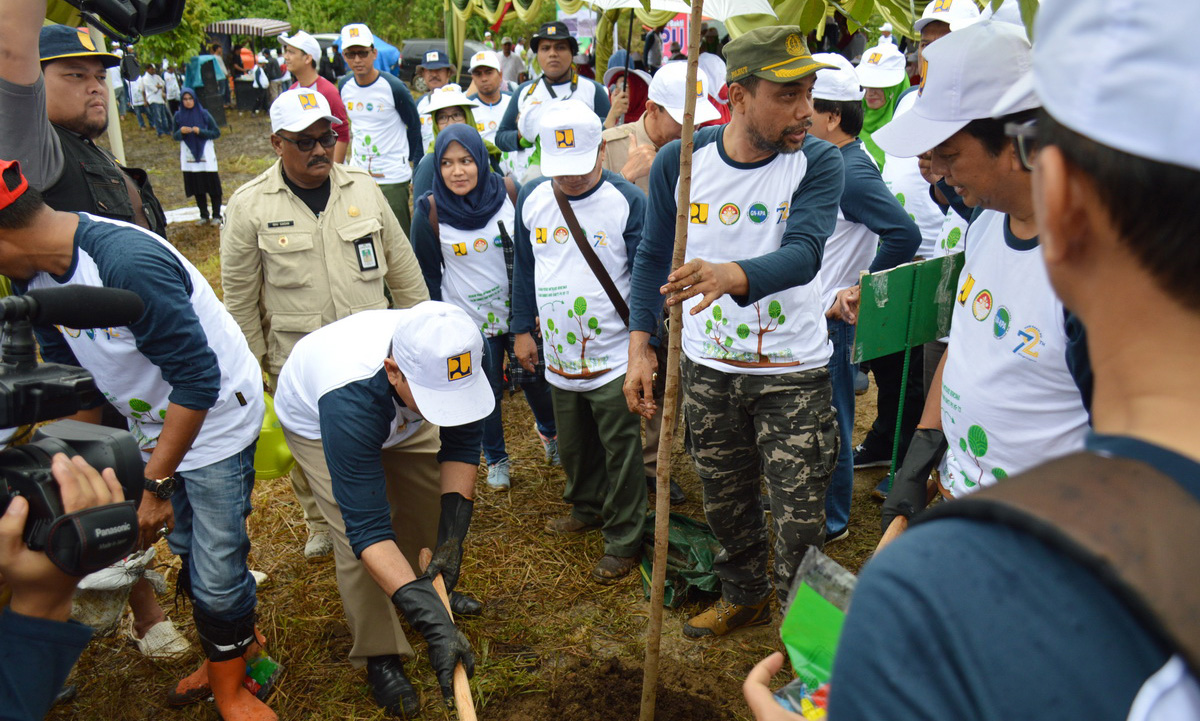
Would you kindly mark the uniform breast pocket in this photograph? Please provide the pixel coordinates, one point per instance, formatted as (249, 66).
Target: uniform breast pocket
(108, 190)
(362, 243)
(286, 262)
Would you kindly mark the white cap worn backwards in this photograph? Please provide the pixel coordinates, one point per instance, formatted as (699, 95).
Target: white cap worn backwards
(440, 352)
(968, 72)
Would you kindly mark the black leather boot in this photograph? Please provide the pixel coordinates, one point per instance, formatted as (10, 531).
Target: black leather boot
(391, 688)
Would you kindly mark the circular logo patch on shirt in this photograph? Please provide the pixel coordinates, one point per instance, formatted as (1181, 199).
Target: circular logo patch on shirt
(370, 107)
(757, 213)
(560, 234)
(480, 245)
(1002, 322)
(981, 307)
(730, 213)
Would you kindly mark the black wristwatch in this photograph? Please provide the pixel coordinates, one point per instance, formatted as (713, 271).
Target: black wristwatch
(162, 488)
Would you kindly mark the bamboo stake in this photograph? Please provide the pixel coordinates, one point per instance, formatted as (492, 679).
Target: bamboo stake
(462, 688)
(662, 507)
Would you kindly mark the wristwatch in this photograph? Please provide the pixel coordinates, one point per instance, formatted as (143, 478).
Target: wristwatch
(162, 488)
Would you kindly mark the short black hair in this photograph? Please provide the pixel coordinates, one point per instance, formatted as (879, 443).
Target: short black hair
(1152, 204)
(990, 131)
(850, 111)
(750, 83)
(21, 212)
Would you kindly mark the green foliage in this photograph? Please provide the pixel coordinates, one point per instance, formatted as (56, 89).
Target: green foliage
(999, 474)
(550, 324)
(717, 313)
(743, 331)
(580, 306)
(571, 338)
(184, 41)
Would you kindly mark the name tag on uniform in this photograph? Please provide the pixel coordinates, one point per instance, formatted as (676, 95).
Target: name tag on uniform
(366, 253)
(281, 224)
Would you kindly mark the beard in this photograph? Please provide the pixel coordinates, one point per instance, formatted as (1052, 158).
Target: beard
(87, 126)
(779, 143)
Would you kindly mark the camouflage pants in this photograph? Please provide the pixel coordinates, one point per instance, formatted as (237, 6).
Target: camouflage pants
(743, 429)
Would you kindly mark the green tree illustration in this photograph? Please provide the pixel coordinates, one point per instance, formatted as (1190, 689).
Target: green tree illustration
(552, 342)
(712, 327)
(492, 323)
(776, 319)
(138, 406)
(975, 445)
(591, 324)
(953, 237)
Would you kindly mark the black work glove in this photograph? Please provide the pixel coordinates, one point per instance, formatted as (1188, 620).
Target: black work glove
(909, 495)
(452, 530)
(426, 613)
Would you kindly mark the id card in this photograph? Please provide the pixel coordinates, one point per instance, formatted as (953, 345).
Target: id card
(366, 254)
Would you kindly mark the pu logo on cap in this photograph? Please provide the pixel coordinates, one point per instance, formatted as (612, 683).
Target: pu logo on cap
(924, 76)
(308, 101)
(874, 59)
(86, 40)
(794, 44)
(564, 138)
(551, 30)
(699, 88)
(458, 367)
(479, 56)
(353, 32)
(941, 6)
(431, 56)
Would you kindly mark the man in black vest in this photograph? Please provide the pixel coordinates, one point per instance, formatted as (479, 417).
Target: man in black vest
(53, 105)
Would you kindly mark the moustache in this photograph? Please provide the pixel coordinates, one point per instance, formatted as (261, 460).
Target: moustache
(318, 161)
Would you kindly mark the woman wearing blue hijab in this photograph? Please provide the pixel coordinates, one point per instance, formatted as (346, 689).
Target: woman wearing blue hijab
(195, 130)
(462, 234)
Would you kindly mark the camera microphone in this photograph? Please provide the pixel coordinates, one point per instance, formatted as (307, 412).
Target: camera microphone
(74, 306)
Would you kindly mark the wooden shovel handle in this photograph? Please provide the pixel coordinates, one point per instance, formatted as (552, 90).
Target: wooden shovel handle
(462, 688)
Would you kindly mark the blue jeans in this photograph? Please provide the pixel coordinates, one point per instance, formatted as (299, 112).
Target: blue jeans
(143, 111)
(158, 114)
(211, 506)
(538, 396)
(841, 376)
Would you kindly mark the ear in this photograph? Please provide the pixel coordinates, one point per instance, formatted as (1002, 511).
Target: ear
(1059, 200)
(277, 145)
(737, 97)
(394, 374)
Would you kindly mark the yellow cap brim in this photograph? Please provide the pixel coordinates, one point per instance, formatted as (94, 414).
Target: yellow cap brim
(791, 69)
(109, 59)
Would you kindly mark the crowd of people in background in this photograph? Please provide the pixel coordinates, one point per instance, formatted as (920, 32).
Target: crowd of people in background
(510, 225)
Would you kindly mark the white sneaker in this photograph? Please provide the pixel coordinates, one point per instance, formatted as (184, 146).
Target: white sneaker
(163, 640)
(498, 475)
(320, 544)
(260, 578)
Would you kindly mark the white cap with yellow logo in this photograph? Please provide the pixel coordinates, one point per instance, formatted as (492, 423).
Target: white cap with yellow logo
(881, 67)
(668, 91)
(440, 352)
(299, 108)
(485, 59)
(570, 135)
(357, 34)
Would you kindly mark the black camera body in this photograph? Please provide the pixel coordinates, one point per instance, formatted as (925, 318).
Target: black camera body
(127, 20)
(85, 541)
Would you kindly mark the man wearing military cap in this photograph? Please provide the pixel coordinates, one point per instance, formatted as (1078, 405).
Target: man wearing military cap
(757, 398)
(53, 105)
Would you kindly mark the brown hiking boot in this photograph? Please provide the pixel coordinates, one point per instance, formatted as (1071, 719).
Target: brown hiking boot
(611, 568)
(723, 617)
(570, 524)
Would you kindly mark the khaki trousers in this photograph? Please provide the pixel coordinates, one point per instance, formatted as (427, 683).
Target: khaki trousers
(414, 492)
(312, 514)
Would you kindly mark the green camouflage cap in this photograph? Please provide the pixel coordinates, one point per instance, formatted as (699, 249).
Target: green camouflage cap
(776, 53)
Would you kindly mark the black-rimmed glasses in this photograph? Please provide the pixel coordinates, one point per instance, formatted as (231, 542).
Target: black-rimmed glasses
(307, 143)
(1025, 135)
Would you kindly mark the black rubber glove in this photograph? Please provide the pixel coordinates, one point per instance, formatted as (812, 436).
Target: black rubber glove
(909, 495)
(426, 613)
(452, 530)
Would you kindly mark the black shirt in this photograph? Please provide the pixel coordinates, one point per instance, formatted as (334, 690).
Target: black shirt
(315, 198)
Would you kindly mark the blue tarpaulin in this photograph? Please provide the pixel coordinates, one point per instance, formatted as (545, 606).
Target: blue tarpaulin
(191, 74)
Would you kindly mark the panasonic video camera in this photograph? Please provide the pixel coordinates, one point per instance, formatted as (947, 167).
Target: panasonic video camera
(30, 392)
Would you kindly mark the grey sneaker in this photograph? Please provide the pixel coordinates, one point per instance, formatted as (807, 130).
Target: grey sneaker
(550, 445)
(498, 475)
(320, 544)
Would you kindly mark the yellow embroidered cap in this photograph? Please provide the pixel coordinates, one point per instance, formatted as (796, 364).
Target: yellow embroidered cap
(776, 53)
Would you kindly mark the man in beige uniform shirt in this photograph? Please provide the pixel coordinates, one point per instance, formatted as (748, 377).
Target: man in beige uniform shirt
(629, 151)
(306, 243)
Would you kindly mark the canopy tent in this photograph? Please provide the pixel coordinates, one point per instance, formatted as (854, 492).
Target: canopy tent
(258, 27)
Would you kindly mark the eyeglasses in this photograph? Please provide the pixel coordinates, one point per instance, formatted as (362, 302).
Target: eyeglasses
(306, 143)
(1025, 135)
(355, 54)
(451, 118)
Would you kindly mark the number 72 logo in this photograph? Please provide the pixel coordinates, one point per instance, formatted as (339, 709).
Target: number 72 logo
(1031, 339)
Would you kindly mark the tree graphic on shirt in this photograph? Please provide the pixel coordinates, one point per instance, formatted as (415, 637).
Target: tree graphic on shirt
(975, 445)
(775, 317)
(369, 145)
(578, 311)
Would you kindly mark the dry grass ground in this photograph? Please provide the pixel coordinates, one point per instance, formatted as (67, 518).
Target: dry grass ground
(552, 643)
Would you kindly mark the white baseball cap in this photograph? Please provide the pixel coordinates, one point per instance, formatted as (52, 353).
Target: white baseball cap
(882, 66)
(570, 135)
(485, 59)
(839, 83)
(449, 95)
(440, 352)
(357, 34)
(303, 42)
(299, 108)
(668, 90)
(714, 67)
(968, 72)
(1116, 73)
(885, 28)
(958, 14)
